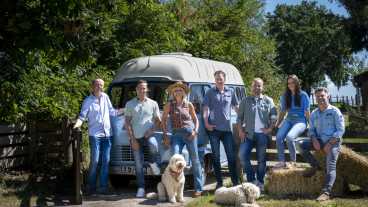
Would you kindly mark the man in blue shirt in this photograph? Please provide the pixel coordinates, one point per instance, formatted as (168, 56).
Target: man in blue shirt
(97, 109)
(217, 113)
(325, 132)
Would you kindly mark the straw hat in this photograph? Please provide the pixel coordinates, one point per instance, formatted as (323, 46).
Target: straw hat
(179, 84)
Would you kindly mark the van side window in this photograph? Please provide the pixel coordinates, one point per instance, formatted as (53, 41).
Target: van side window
(243, 92)
(196, 96)
(206, 88)
(238, 93)
(117, 97)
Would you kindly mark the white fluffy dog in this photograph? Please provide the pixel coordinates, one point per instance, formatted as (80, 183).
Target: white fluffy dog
(172, 182)
(240, 195)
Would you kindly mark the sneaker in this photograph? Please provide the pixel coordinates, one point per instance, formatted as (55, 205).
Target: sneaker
(261, 187)
(197, 194)
(323, 197)
(155, 169)
(279, 165)
(140, 193)
(291, 165)
(310, 172)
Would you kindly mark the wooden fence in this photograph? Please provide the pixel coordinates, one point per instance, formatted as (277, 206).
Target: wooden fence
(14, 146)
(43, 146)
(347, 100)
(32, 145)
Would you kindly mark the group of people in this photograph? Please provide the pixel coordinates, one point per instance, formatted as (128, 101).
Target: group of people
(257, 117)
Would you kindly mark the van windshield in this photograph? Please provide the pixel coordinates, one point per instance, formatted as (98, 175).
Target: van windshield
(120, 94)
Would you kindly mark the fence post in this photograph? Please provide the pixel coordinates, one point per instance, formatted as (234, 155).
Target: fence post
(77, 138)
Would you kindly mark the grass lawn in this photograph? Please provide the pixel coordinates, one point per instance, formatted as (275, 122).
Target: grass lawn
(207, 201)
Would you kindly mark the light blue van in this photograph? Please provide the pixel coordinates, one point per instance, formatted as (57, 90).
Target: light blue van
(160, 71)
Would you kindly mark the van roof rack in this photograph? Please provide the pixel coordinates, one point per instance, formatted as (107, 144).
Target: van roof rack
(178, 53)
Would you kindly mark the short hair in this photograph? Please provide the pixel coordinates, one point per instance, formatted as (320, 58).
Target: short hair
(95, 80)
(257, 79)
(320, 89)
(218, 72)
(142, 81)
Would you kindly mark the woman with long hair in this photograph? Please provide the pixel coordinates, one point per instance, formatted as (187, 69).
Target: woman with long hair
(185, 127)
(296, 104)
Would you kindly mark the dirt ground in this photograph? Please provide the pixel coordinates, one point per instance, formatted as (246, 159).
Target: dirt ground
(125, 197)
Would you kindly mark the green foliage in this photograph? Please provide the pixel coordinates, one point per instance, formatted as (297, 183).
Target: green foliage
(230, 31)
(311, 42)
(357, 23)
(53, 49)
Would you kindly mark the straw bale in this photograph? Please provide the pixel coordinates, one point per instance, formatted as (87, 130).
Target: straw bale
(352, 168)
(290, 182)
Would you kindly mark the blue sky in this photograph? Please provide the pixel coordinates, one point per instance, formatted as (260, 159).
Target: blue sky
(334, 6)
(337, 8)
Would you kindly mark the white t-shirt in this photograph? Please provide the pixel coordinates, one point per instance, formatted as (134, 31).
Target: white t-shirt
(258, 125)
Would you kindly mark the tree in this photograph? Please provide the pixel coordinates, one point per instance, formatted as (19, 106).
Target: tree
(50, 51)
(311, 42)
(230, 31)
(357, 23)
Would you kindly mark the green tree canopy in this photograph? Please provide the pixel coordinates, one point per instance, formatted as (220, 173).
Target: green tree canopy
(53, 49)
(311, 42)
(357, 23)
(230, 31)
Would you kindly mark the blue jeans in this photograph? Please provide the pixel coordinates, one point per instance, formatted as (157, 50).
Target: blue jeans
(152, 145)
(306, 146)
(226, 137)
(99, 145)
(178, 140)
(259, 141)
(290, 131)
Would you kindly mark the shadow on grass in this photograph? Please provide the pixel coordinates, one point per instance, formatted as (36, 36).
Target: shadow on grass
(53, 188)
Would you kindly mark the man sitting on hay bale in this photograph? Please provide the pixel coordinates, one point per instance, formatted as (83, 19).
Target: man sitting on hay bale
(325, 132)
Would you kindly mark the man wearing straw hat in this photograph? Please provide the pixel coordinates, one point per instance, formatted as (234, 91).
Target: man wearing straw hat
(325, 132)
(256, 119)
(217, 105)
(140, 116)
(185, 126)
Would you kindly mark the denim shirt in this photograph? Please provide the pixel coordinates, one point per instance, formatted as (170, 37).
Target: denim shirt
(98, 115)
(219, 105)
(296, 113)
(327, 124)
(266, 110)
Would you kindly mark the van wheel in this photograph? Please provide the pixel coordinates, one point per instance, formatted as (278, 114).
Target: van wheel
(118, 181)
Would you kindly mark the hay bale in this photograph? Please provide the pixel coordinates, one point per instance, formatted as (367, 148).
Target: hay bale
(291, 182)
(353, 167)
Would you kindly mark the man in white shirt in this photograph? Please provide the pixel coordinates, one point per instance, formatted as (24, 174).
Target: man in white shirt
(256, 118)
(140, 115)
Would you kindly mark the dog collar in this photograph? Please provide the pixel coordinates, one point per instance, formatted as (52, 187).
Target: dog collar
(175, 174)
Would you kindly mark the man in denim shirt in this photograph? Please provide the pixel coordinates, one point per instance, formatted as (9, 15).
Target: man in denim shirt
(256, 119)
(217, 114)
(97, 109)
(325, 132)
